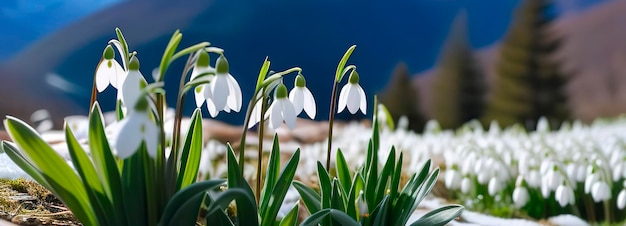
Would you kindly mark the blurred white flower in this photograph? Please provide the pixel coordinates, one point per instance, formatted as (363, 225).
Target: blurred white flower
(302, 98)
(621, 199)
(352, 96)
(600, 191)
(109, 71)
(466, 185)
(453, 178)
(281, 109)
(520, 196)
(133, 85)
(589, 182)
(225, 93)
(565, 195)
(135, 129)
(494, 186)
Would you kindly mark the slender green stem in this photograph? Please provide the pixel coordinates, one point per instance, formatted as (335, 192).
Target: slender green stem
(94, 91)
(331, 119)
(242, 142)
(260, 151)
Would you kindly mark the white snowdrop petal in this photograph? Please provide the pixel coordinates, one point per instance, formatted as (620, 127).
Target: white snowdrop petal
(151, 135)
(275, 115)
(131, 89)
(353, 101)
(621, 199)
(234, 96)
(120, 75)
(102, 77)
(256, 115)
(198, 94)
(343, 98)
(288, 114)
(309, 103)
(520, 196)
(129, 137)
(296, 97)
(210, 106)
(219, 91)
(363, 100)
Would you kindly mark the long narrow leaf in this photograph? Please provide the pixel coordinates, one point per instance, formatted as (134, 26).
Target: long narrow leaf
(291, 219)
(248, 214)
(236, 180)
(191, 152)
(280, 189)
(336, 215)
(338, 199)
(385, 174)
(355, 188)
(343, 171)
(342, 63)
(134, 186)
(440, 216)
(60, 176)
(273, 171)
(185, 194)
(25, 164)
(309, 197)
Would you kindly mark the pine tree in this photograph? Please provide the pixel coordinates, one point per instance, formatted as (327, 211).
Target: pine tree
(459, 84)
(528, 84)
(401, 98)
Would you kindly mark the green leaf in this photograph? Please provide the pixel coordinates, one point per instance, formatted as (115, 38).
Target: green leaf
(121, 41)
(387, 171)
(20, 160)
(338, 199)
(236, 180)
(440, 216)
(182, 196)
(395, 178)
(355, 188)
(325, 186)
(273, 171)
(191, 152)
(189, 50)
(380, 215)
(95, 191)
(104, 162)
(291, 219)
(167, 54)
(214, 217)
(279, 191)
(342, 63)
(336, 215)
(134, 188)
(310, 198)
(246, 206)
(59, 175)
(425, 188)
(343, 171)
(262, 73)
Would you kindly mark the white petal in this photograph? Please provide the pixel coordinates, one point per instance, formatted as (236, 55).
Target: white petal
(150, 136)
(219, 91)
(621, 199)
(309, 103)
(289, 114)
(297, 99)
(363, 98)
(129, 137)
(256, 115)
(343, 98)
(120, 75)
(102, 76)
(211, 107)
(234, 97)
(131, 89)
(354, 99)
(198, 94)
(275, 116)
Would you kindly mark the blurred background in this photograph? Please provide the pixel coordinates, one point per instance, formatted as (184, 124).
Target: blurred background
(450, 60)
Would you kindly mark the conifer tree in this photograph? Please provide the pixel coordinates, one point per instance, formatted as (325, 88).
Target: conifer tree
(401, 98)
(459, 85)
(528, 85)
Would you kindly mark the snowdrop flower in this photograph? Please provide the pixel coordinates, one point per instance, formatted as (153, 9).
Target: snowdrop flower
(281, 109)
(453, 178)
(362, 205)
(621, 199)
(600, 191)
(225, 93)
(466, 185)
(590, 181)
(553, 178)
(565, 195)
(494, 186)
(352, 95)
(302, 98)
(202, 66)
(135, 129)
(520, 196)
(109, 71)
(133, 84)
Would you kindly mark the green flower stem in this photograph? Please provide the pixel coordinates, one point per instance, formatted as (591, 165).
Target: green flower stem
(94, 91)
(178, 115)
(242, 142)
(331, 119)
(260, 151)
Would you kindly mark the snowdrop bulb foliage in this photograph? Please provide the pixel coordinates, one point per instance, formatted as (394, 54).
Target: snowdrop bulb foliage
(109, 71)
(302, 98)
(352, 96)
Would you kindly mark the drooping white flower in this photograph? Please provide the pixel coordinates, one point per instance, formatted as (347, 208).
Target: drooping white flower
(553, 178)
(302, 98)
(352, 96)
(135, 129)
(466, 185)
(202, 66)
(225, 93)
(281, 109)
(621, 199)
(133, 84)
(600, 191)
(453, 178)
(109, 71)
(590, 181)
(494, 186)
(565, 195)
(520, 196)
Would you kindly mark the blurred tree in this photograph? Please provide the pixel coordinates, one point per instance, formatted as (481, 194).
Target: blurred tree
(459, 85)
(401, 98)
(528, 85)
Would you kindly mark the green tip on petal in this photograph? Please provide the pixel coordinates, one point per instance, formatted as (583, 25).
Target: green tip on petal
(134, 64)
(300, 82)
(142, 104)
(281, 91)
(354, 77)
(108, 53)
(203, 59)
(221, 66)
